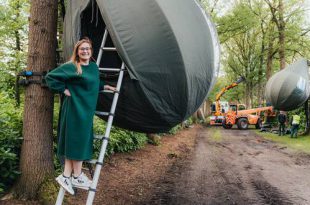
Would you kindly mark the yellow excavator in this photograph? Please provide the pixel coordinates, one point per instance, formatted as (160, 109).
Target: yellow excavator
(217, 112)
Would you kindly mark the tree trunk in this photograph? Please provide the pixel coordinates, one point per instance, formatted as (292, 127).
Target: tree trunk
(260, 90)
(270, 53)
(36, 162)
(247, 95)
(307, 127)
(281, 29)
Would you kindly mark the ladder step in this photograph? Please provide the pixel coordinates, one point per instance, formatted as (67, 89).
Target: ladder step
(108, 48)
(84, 188)
(98, 137)
(93, 161)
(101, 137)
(108, 91)
(110, 69)
(102, 113)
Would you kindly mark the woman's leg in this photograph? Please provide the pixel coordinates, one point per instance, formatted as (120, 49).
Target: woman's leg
(77, 168)
(65, 178)
(68, 168)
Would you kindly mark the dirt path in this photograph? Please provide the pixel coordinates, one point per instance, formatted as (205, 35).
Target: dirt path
(205, 166)
(236, 167)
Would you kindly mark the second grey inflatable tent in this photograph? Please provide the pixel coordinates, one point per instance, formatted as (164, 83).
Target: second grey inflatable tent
(289, 88)
(170, 49)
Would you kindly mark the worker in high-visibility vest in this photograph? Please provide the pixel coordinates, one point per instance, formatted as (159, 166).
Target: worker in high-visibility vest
(295, 125)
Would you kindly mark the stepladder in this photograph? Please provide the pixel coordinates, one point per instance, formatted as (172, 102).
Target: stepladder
(110, 116)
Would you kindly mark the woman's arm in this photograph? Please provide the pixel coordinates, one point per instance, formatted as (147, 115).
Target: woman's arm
(56, 79)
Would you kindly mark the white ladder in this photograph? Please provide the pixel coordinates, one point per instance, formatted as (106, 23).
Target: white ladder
(105, 138)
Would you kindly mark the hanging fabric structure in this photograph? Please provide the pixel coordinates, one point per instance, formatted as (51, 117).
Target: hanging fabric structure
(170, 49)
(288, 89)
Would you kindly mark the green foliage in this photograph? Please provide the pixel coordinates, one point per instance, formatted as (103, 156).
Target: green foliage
(301, 112)
(13, 41)
(10, 140)
(120, 140)
(249, 33)
(233, 95)
(175, 129)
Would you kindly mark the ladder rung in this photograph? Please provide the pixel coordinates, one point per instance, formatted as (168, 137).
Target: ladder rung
(108, 48)
(110, 69)
(108, 91)
(102, 113)
(84, 188)
(99, 137)
(93, 161)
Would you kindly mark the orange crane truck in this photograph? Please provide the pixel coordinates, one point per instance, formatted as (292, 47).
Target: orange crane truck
(243, 118)
(218, 114)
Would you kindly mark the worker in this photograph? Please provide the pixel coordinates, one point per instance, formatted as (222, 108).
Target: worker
(295, 125)
(282, 121)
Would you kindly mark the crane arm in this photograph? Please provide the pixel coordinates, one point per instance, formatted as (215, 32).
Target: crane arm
(221, 93)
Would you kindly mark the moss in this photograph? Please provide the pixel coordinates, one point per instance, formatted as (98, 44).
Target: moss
(216, 136)
(154, 139)
(48, 191)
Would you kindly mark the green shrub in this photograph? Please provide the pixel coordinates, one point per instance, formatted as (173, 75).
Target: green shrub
(301, 112)
(10, 140)
(120, 140)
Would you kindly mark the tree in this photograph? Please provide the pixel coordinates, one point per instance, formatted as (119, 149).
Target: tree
(277, 12)
(13, 41)
(37, 156)
(258, 37)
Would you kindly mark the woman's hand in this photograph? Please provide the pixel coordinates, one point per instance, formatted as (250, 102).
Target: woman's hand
(67, 92)
(108, 87)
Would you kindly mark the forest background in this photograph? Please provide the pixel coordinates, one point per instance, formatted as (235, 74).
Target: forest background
(258, 38)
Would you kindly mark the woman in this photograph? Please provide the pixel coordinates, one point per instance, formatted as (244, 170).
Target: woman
(79, 80)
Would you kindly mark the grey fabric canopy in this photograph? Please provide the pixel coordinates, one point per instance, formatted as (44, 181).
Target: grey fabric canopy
(289, 88)
(171, 51)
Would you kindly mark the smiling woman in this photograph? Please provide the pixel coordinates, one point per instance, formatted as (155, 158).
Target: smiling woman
(79, 81)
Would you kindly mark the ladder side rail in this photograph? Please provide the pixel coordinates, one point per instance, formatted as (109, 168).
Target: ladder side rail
(92, 189)
(60, 197)
(104, 39)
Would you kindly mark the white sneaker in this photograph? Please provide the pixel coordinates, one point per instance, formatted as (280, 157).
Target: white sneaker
(81, 181)
(65, 182)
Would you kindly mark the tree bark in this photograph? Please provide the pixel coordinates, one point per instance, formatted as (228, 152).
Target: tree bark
(260, 90)
(307, 127)
(270, 53)
(36, 162)
(281, 30)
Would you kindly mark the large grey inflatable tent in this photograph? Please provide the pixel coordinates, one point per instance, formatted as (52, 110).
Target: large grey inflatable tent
(288, 89)
(170, 48)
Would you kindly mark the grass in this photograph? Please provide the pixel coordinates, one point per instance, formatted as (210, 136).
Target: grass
(216, 136)
(301, 143)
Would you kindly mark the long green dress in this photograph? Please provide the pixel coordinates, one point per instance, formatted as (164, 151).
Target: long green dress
(75, 129)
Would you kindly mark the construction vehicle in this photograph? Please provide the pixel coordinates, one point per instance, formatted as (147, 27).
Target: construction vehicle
(237, 114)
(218, 108)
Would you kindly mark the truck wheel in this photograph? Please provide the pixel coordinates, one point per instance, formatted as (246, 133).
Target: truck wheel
(226, 126)
(258, 125)
(242, 124)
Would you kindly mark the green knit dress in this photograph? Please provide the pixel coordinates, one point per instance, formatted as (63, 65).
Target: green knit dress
(75, 129)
